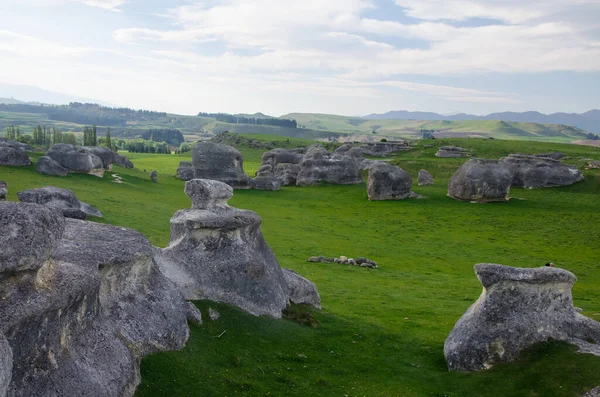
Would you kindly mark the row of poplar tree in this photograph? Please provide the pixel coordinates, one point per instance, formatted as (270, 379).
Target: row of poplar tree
(49, 136)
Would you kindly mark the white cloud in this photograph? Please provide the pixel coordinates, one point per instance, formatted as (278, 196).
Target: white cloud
(112, 5)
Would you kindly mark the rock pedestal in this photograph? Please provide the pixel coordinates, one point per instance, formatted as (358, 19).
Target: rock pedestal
(481, 181)
(518, 308)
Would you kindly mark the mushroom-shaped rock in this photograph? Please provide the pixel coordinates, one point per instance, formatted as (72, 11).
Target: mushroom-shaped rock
(61, 199)
(301, 290)
(424, 178)
(221, 163)
(533, 172)
(29, 234)
(319, 165)
(5, 365)
(218, 252)
(48, 166)
(518, 308)
(388, 182)
(452, 151)
(3, 190)
(76, 159)
(185, 171)
(482, 181)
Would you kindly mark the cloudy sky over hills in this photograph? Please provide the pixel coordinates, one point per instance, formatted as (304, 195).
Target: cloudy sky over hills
(331, 56)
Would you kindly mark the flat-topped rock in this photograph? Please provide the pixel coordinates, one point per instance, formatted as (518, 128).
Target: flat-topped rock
(388, 182)
(221, 163)
(452, 151)
(518, 308)
(534, 172)
(207, 194)
(482, 181)
(60, 199)
(29, 234)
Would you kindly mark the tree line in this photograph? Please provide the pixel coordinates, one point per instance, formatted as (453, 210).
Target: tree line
(142, 146)
(172, 137)
(233, 119)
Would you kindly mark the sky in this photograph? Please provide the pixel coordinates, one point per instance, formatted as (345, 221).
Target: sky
(350, 57)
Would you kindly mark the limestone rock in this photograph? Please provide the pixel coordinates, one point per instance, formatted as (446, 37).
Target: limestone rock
(266, 183)
(76, 159)
(15, 144)
(593, 164)
(481, 181)
(185, 171)
(61, 199)
(534, 172)
(551, 155)
(452, 151)
(318, 165)
(424, 178)
(388, 182)
(301, 290)
(277, 156)
(343, 149)
(5, 365)
(193, 314)
(221, 163)
(122, 161)
(154, 176)
(47, 166)
(287, 173)
(382, 149)
(518, 308)
(105, 154)
(595, 392)
(28, 235)
(3, 190)
(13, 155)
(218, 252)
(283, 164)
(213, 314)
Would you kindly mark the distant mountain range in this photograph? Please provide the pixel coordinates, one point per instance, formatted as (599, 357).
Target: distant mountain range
(588, 121)
(27, 93)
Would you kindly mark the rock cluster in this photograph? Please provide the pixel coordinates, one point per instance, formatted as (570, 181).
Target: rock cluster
(344, 260)
(388, 182)
(81, 303)
(452, 151)
(518, 308)
(482, 181)
(283, 164)
(534, 172)
(318, 165)
(424, 178)
(63, 158)
(61, 199)
(218, 252)
(14, 153)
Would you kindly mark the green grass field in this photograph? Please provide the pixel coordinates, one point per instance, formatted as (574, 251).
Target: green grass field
(381, 331)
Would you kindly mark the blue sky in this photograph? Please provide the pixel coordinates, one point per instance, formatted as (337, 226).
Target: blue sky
(350, 57)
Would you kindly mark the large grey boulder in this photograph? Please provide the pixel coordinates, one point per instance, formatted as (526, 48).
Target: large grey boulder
(185, 171)
(60, 199)
(534, 172)
(424, 178)
(122, 161)
(301, 290)
(221, 163)
(15, 144)
(382, 149)
(76, 159)
(218, 252)
(518, 308)
(47, 166)
(288, 156)
(3, 190)
(318, 165)
(266, 183)
(287, 173)
(388, 182)
(283, 164)
(482, 181)
(10, 155)
(5, 365)
(79, 312)
(452, 151)
(106, 155)
(28, 235)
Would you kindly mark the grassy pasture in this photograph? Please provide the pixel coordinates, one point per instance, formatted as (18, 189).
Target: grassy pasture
(381, 331)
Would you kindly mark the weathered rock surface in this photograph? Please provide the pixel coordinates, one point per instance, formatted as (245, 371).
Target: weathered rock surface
(424, 178)
(534, 172)
(301, 290)
(266, 183)
(283, 164)
(154, 176)
(105, 154)
(452, 151)
(221, 163)
(318, 165)
(382, 149)
(81, 304)
(218, 252)
(551, 155)
(5, 365)
(481, 181)
(76, 159)
(3, 190)
(518, 308)
(287, 173)
(47, 166)
(122, 161)
(388, 182)
(595, 392)
(63, 200)
(13, 153)
(185, 171)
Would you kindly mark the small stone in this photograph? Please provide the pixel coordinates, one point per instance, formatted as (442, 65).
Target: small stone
(213, 314)
(154, 176)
